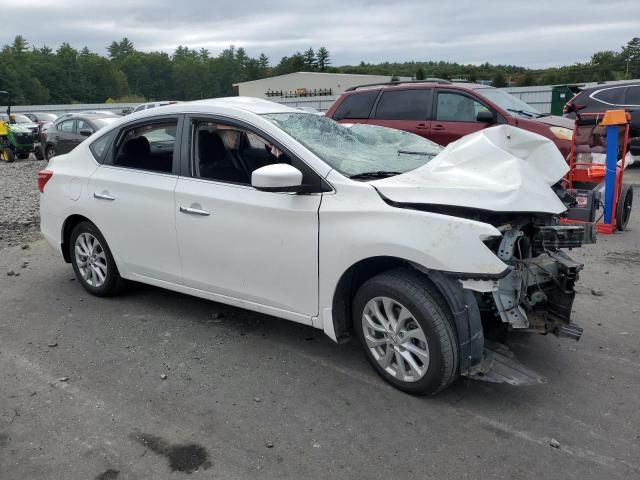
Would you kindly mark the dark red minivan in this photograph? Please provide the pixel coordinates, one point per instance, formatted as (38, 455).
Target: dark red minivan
(444, 111)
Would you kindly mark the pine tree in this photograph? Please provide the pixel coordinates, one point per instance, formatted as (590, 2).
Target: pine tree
(498, 80)
(322, 59)
(310, 59)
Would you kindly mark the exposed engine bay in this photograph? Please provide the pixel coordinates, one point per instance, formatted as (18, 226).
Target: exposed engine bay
(537, 293)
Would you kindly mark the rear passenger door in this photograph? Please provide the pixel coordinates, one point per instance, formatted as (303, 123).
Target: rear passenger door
(131, 198)
(454, 116)
(406, 110)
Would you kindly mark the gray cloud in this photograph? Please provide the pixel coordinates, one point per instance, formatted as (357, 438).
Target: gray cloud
(536, 33)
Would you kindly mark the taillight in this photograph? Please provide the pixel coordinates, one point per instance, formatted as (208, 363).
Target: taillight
(43, 177)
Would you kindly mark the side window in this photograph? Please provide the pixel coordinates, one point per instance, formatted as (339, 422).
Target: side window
(139, 108)
(613, 96)
(230, 153)
(82, 125)
(633, 95)
(455, 107)
(148, 146)
(68, 126)
(100, 146)
(151, 105)
(404, 105)
(356, 105)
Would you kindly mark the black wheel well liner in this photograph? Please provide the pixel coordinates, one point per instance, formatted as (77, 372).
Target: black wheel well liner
(462, 303)
(67, 227)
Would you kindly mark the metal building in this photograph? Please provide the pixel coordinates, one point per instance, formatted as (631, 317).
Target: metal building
(306, 84)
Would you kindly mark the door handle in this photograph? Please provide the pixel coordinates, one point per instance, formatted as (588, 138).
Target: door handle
(438, 127)
(422, 126)
(103, 196)
(194, 211)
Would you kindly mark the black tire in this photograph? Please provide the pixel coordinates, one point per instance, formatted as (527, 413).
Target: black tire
(7, 155)
(38, 153)
(49, 152)
(23, 156)
(112, 283)
(624, 207)
(413, 291)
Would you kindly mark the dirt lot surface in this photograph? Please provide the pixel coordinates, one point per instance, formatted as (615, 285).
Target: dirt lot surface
(153, 385)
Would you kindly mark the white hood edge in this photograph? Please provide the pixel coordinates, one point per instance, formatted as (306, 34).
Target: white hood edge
(500, 169)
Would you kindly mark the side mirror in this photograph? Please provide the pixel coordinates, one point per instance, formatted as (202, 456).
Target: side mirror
(486, 116)
(279, 177)
(85, 132)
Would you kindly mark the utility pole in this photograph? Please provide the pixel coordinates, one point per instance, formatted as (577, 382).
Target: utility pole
(627, 73)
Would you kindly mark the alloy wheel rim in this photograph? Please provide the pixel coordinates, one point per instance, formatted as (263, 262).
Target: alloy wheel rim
(395, 339)
(51, 153)
(91, 260)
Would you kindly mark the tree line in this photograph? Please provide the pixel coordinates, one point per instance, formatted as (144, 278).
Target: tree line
(41, 75)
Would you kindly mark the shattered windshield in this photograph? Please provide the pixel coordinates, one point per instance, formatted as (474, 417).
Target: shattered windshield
(360, 150)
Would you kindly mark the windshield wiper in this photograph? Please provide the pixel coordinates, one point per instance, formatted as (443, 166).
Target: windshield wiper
(409, 152)
(524, 112)
(373, 175)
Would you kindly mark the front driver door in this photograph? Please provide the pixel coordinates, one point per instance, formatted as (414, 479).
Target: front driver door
(454, 116)
(259, 248)
(64, 136)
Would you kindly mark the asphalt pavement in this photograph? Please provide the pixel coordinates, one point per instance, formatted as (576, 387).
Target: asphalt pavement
(153, 384)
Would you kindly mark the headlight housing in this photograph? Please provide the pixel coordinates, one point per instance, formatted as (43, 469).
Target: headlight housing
(562, 133)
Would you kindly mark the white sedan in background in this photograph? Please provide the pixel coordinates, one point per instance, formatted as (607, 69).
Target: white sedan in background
(418, 251)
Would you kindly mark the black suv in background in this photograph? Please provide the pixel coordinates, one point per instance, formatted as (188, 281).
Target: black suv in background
(612, 96)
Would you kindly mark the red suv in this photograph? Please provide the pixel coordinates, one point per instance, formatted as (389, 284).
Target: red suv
(444, 111)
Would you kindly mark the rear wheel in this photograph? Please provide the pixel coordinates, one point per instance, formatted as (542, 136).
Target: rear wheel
(624, 207)
(49, 152)
(7, 155)
(92, 261)
(405, 329)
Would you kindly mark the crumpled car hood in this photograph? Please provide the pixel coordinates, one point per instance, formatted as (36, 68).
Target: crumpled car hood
(500, 169)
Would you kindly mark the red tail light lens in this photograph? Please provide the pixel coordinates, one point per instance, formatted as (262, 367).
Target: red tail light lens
(43, 177)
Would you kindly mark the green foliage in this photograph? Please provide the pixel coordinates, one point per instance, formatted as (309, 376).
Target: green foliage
(66, 75)
(498, 80)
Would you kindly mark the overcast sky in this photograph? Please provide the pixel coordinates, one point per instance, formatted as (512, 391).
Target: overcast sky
(533, 33)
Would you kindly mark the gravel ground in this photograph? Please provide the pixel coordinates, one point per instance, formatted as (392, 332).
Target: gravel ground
(19, 215)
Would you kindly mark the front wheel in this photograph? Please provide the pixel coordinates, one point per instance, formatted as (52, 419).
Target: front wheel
(37, 152)
(406, 331)
(92, 261)
(7, 155)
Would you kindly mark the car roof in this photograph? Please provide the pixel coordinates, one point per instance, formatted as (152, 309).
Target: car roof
(88, 116)
(602, 86)
(244, 104)
(417, 85)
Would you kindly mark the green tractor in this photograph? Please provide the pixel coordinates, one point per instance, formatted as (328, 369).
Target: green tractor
(15, 141)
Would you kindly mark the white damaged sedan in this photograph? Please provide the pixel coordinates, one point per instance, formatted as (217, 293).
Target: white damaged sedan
(420, 252)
